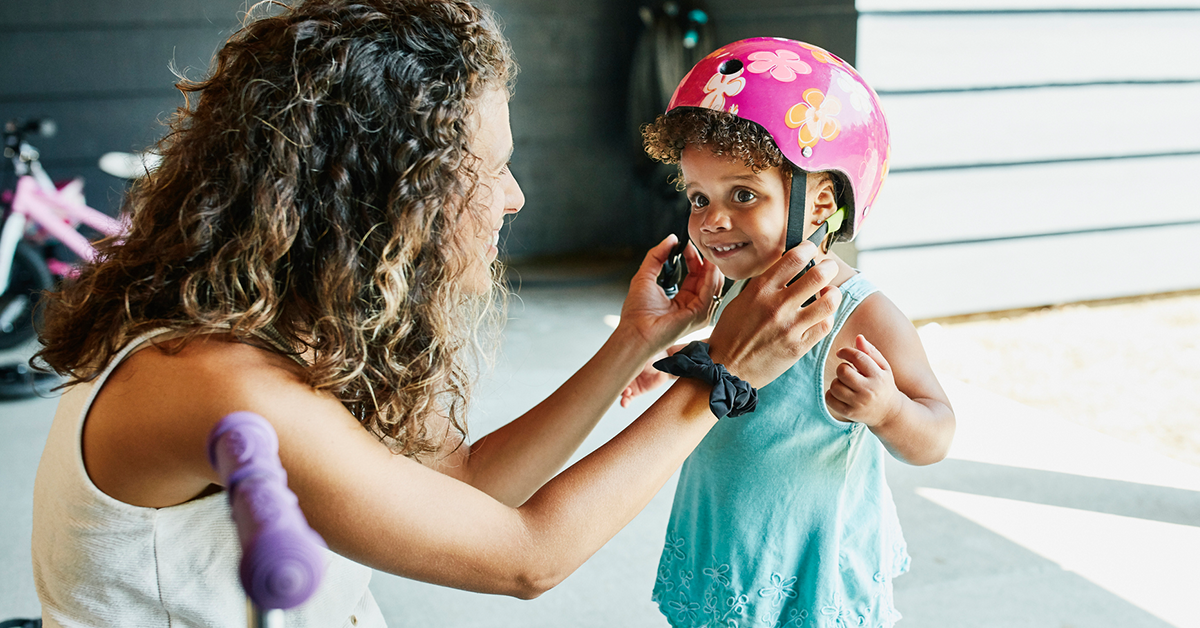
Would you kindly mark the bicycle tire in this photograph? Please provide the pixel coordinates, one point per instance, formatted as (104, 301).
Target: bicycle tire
(18, 304)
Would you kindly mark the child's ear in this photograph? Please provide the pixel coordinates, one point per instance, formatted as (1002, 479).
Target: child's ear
(824, 197)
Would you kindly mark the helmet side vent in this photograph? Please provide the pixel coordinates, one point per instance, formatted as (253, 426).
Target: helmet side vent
(730, 66)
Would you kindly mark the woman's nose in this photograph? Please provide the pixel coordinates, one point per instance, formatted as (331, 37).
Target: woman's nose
(514, 198)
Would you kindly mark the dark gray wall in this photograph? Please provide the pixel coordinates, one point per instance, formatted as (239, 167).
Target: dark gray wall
(102, 70)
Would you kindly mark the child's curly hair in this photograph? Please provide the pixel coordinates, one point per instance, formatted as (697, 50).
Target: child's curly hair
(721, 132)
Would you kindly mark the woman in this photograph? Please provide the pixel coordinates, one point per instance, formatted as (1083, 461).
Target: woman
(317, 247)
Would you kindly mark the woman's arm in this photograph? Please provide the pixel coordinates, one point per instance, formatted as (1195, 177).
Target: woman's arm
(512, 462)
(424, 525)
(397, 515)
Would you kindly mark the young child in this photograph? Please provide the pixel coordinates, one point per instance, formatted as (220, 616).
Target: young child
(783, 517)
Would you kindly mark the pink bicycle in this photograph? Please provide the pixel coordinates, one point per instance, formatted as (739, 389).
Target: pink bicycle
(36, 215)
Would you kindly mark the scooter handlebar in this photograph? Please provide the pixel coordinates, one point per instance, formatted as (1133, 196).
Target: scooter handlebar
(282, 557)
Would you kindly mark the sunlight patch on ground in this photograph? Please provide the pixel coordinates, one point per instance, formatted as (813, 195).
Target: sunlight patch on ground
(1128, 369)
(1150, 564)
(995, 430)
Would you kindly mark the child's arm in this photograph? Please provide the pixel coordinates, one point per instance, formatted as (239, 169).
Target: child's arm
(887, 384)
(650, 377)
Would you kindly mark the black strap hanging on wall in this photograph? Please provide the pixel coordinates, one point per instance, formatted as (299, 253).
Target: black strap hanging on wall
(676, 34)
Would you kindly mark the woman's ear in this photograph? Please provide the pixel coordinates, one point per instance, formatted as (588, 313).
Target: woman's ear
(823, 197)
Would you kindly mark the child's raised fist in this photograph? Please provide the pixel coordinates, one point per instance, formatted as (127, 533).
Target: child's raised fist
(865, 389)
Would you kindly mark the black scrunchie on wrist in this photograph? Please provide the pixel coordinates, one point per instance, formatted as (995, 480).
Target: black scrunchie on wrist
(730, 395)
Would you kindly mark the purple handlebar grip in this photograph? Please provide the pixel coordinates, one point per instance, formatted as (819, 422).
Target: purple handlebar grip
(282, 557)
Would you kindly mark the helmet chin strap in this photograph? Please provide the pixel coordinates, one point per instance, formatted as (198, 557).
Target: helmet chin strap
(795, 223)
(822, 237)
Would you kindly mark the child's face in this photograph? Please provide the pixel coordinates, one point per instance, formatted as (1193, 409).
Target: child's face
(738, 218)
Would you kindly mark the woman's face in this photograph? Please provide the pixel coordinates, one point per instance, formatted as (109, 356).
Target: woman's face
(498, 193)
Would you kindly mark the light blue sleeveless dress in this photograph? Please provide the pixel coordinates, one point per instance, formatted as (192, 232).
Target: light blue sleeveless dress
(782, 518)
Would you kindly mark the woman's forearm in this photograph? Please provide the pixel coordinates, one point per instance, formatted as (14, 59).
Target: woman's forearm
(583, 507)
(511, 463)
(418, 523)
(423, 525)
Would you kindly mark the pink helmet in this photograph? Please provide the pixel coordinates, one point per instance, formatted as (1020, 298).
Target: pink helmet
(821, 113)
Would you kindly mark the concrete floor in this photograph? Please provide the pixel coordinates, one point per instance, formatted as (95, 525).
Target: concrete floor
(1032, 521)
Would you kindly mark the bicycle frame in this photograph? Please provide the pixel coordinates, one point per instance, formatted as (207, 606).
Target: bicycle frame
(37, 200)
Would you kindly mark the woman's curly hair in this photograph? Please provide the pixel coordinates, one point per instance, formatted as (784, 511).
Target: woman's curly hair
(319, 185)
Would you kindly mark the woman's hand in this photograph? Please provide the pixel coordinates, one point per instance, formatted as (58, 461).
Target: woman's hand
(764, 330)
(656, 320)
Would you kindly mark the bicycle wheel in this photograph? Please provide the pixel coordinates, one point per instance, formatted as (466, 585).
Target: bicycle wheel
(18, 304)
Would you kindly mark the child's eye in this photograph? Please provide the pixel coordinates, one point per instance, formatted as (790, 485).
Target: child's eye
(743, 196)
(699, 201)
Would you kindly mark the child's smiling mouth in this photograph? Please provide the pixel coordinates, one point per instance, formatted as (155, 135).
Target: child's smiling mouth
(723, 250)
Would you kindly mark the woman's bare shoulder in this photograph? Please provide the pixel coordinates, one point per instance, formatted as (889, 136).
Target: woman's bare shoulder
(144, 437)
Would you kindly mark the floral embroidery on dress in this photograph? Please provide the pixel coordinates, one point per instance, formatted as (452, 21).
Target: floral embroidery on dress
(710, 601)
(836, 611)
(778, 589)
(816, 119)
(796, 617)
(842, 616)
(684, 609)
(770, 619)
(721, 86)
(664, 579)
(783, 65)
(719, 574)
(685, 579)
(673, 548)
(737, 604)
(710, 604)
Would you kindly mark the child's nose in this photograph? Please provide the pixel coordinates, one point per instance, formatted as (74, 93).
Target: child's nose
(714, 219)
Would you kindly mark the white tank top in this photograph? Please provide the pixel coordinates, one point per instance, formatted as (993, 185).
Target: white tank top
(98, 561)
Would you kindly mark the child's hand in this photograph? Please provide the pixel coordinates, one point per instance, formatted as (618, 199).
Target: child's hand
(865, 390)
(649, 379)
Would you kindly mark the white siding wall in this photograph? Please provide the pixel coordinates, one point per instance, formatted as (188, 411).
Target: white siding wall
(1042, 152)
